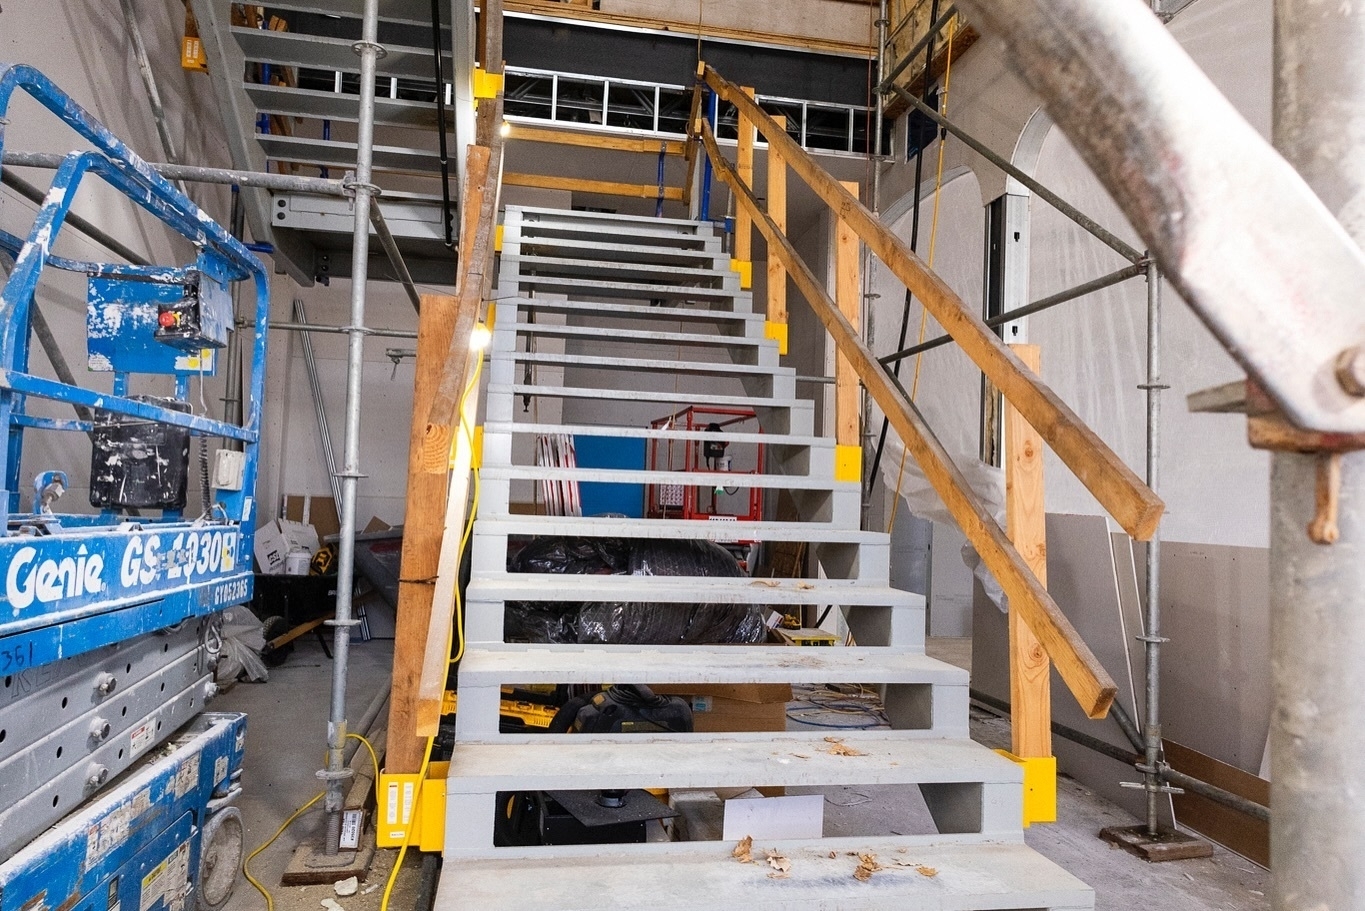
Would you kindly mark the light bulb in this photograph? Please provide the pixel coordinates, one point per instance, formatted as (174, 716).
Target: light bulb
(479, 337)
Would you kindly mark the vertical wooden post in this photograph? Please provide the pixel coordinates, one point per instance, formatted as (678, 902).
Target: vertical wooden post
(428, 472)
(777, 276)
(1025, 523)
(742, 259)
(1030, 680)
(847, 398)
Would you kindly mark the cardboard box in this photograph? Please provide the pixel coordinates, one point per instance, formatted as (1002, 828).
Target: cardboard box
(733, 707)
(317, 511)
(739, 692)
(275, 540)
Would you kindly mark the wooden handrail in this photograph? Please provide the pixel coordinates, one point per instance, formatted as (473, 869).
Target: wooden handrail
(1118, 489)
(1087, 679)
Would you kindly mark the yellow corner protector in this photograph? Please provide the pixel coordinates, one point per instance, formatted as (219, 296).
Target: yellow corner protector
(746, 272)
(848, 463)
(1040, 787)
(486, 84)
(497, 239)
(778, 333)
(476, 458)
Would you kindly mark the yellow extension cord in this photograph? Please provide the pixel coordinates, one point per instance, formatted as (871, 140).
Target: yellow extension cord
(246, 864)
(933, 241)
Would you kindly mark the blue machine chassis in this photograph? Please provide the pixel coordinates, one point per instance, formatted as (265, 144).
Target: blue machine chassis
(138, 844)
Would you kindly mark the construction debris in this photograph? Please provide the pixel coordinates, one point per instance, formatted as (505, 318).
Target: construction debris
(744, 851)
(839, 748)
(867, 865)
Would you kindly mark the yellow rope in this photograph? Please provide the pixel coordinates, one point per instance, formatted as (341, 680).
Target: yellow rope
(933, 245)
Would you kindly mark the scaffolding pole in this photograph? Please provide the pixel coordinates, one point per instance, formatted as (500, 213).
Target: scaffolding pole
(336, 772)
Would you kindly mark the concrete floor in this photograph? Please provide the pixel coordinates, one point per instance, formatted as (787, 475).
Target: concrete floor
(286, 738)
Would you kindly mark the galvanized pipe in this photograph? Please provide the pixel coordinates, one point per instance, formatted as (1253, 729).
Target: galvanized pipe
(1009, 316)
(879, 122)
(319, 410)
(369, 49)
(342, 330)
(400, 267)
(1317, 592)
(1089, 224)
(286, 183)
(1151, 636)
(144, 66)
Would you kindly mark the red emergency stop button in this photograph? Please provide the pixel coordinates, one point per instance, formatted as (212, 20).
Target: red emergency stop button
(167, 319)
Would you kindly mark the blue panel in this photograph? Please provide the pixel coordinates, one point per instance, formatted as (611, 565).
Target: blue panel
(121, 322)
(611, 452)
(131, 829)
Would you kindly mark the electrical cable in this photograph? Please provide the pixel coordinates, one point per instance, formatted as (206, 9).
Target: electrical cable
(933, 244)
(246, 871)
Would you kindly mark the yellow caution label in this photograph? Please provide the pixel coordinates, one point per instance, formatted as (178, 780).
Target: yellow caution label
(776, 332)
(1040, 787)
(848, 463)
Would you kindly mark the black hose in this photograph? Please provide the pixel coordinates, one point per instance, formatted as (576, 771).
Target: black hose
(914, 242)
(446, 215)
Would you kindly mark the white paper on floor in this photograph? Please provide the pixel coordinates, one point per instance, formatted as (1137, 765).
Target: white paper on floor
(801, 816)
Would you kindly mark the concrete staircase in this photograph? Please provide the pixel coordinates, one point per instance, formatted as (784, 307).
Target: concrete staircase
(611, 320)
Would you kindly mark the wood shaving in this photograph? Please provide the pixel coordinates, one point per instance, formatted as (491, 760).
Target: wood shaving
(800, 755)
(833, 854)
(779, 876)
(922, 870)
(778, 862)
(867, 865)
(744, 851)
(838, 748)
(804, 586)
(769, 583)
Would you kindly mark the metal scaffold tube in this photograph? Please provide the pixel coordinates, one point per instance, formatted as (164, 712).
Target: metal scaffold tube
(1317, 591)
(1151, 637)
(336, 772)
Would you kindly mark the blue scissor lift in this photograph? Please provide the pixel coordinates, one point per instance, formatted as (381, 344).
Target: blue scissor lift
(115, 791)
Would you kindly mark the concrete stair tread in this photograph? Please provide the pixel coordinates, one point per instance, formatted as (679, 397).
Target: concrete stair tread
(678, 396)
(650, 433)
(640, 290)
(634, 223)
(636, 363)
(970, 873)
(636, 335)
(498, 664)
(634, 311)
(688, 478)
(566, 762)
(518, 263)
(687, 529)
(665, 590)
(614, 252)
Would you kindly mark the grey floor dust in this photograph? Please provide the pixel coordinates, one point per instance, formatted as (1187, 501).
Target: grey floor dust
(286, 737)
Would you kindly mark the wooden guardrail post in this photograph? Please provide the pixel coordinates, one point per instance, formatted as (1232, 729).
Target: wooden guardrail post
(848, 408)
(742, 260)
(1030, 677)
(776, 326)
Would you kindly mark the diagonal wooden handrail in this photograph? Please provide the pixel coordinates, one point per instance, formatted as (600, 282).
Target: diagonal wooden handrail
(1082, 672)
(1118, 489)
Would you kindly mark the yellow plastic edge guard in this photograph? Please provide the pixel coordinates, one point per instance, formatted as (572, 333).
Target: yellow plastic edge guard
(1040, 787)
(497, 239)
(848, 463)
(395, 812)
(746, 272)
(778, 333)
(486, 84)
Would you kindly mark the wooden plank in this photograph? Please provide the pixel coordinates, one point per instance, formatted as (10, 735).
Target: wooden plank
(579, 185)
(520, 132)
(1092, 686)
(689, 27)
(1026, 525)
(426, 500)
(492, 35)
(1244, 834)
(777, 211)
(478, 209)
(847, 294)
(1132, 504)
(744, 156)
(693, 135)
